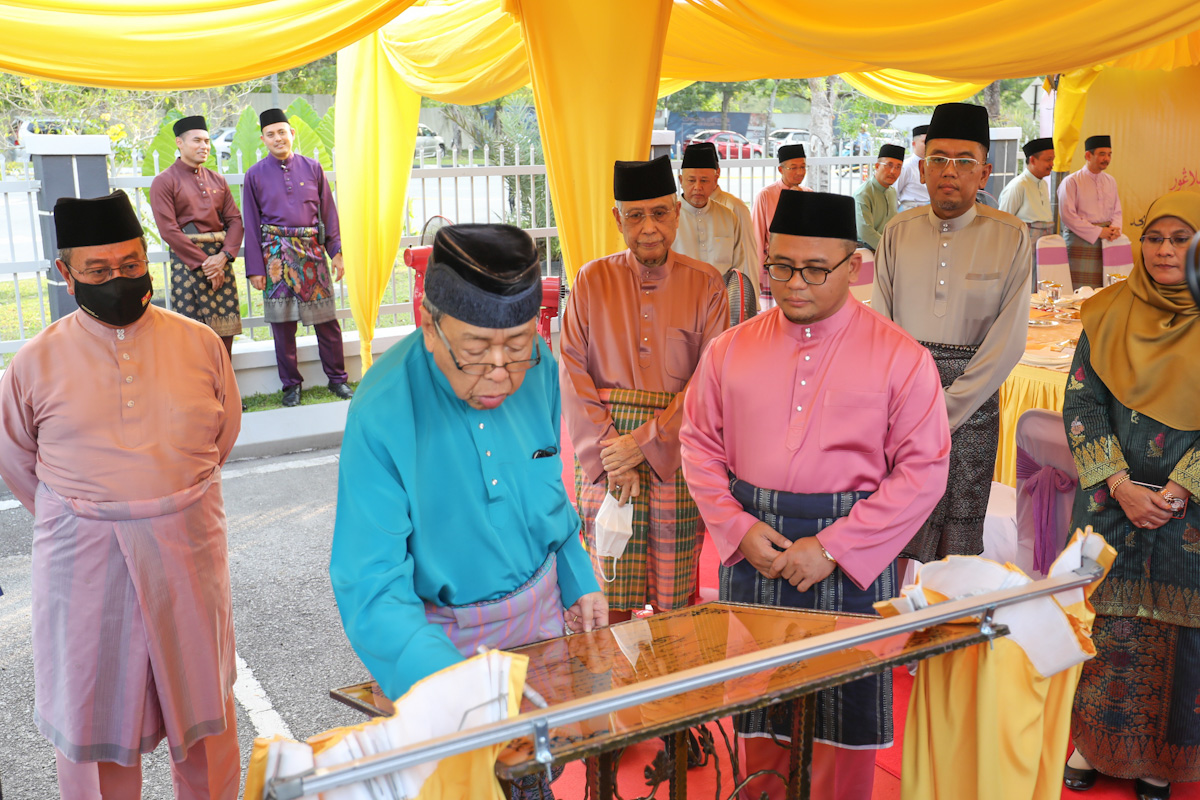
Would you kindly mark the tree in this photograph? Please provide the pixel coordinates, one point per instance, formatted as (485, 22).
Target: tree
(129, 118)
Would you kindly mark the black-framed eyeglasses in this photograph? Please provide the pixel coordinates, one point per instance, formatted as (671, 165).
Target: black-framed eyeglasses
(813, 276)
(520, 365)
(1180, 242)
(129, 269)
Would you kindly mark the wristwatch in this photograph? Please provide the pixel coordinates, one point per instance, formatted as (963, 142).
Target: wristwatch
(825, 553)
(228, 255)
(1177, 504)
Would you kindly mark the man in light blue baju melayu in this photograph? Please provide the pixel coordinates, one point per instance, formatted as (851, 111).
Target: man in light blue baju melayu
(453, 526)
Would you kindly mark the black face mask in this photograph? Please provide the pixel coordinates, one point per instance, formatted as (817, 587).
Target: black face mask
(119, 302)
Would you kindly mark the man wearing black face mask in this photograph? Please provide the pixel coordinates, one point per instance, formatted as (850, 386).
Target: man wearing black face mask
(114, 423)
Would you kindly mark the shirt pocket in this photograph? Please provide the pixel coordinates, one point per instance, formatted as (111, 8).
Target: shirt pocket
(682, 352)
(194, 426)
(854, 421)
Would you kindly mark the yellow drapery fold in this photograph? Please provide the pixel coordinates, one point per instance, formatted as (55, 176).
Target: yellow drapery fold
(595, 71)
(153, 44)
(1073, 86)
(903, 88)
(378, 121)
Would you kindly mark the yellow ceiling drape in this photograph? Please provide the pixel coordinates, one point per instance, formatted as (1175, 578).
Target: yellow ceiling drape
(372, 174)
(1071, 97)
(904, 88)
(161, 44)
(595, 67)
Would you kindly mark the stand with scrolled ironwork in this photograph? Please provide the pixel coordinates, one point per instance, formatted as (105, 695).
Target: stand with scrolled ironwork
(659, 677)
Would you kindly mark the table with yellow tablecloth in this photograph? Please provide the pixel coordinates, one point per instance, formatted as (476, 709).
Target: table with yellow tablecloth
(1030, 387)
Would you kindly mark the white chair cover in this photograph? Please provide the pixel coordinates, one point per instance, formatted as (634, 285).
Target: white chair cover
(1042, 435)
(866, 273)
(1117, 256)
(1052, 264)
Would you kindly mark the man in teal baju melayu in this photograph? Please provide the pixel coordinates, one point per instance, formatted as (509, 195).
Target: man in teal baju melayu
(453, 526)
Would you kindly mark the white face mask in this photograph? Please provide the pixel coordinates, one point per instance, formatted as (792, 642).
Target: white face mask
(614, 526)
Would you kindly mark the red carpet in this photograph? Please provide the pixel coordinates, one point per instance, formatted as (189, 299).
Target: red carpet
(702, 781)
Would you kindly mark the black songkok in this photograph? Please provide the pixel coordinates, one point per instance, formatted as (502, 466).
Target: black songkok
(892, 151)
(702, 155)
(1094, 142)
(1035, 146)
(485, 275)
(960, 121)
(186, 124)
(920, 130)
(644, 180)
(829, 216)
(790, 151)
(271, 116)
(91, 221)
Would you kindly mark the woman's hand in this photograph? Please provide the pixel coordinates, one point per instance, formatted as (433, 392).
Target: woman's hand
(1144, 507)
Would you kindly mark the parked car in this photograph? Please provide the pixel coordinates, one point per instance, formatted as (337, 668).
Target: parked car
(785, 136)
(222, 141)
(24, 127)
(729, 144)
(429, 144)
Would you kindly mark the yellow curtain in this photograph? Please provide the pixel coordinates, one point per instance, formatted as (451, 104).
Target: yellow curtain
(981, 42)
(1071, 98)
(163, 44)
(377, 122)
(595, 72)
(904, 88)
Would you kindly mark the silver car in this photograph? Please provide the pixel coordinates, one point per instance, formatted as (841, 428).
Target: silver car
(429, 144)
(786, 136)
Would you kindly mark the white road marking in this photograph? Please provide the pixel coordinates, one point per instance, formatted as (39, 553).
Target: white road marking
(251, 696)
(262, 469)
(281, 466)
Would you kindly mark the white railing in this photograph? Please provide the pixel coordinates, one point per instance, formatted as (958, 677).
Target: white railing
(478, 185)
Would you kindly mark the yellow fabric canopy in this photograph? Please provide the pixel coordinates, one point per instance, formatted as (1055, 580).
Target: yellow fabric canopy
(164, 44)
(590, 64)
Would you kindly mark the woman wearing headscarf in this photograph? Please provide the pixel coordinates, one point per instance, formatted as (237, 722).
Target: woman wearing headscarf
(1132, 414)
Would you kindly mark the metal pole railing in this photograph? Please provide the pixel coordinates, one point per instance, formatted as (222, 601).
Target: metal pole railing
(537, 724)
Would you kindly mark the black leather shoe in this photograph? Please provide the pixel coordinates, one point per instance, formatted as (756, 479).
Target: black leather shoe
(342, 390)
(291, 396)
(1078, 779)
(1148, 791)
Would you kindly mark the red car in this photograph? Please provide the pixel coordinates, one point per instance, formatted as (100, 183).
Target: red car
(729, 144)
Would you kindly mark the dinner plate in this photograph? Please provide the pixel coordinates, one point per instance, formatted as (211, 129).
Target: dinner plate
(1047, 358)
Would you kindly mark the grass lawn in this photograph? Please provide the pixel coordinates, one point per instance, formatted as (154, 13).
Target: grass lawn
(396, 292)
(308, 397)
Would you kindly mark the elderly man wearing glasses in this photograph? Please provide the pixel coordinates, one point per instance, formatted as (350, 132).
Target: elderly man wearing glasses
(633, 331)
(114, 423)
(815, 443)
(956, 276)
(453, 526)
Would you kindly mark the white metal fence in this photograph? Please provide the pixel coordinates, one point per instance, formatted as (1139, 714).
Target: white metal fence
(502, 185)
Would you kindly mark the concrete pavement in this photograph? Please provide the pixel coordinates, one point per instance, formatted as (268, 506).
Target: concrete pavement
(289, 634)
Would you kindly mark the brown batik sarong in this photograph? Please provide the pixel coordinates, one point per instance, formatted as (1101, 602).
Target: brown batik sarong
(1086, 260)
(743, 303)
(956, 525)
(193, 295)
(660, 560)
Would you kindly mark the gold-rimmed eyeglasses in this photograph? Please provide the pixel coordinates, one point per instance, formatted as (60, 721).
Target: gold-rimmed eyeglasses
(519, 365)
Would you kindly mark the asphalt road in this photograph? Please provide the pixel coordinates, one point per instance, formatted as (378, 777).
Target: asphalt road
(281, 514)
